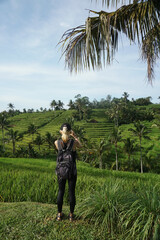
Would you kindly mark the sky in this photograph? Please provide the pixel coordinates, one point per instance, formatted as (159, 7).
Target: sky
(31, 72)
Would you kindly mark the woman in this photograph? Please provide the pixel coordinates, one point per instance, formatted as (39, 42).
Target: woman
(67, 133)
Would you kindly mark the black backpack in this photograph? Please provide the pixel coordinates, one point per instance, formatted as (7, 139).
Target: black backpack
(65, 161)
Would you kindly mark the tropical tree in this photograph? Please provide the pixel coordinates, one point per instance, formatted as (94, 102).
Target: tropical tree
(60, 105)
(129, 148)
(125, 98)
(96, 42)
(140, 131)
(50, 139)
(4, 125)
(82, 106)
(30, 150)
(114, 138)
(70, 120)
(113, 113)
(157, 121)
(32, 129)
(100, 149)
(11, 106)
(80, 132)
(39, 141)
(14, 136)
(71, 104)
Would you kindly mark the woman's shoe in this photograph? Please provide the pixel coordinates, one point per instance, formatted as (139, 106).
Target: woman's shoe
(59, 216)
(71, 217)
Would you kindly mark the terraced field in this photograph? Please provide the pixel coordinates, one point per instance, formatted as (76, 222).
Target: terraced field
(51, 121)
(96, 128)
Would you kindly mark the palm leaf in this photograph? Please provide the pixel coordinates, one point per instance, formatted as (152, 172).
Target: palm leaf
(95, 43)
(151, 49)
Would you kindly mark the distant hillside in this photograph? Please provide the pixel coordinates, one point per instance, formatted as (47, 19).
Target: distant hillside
(97, 127)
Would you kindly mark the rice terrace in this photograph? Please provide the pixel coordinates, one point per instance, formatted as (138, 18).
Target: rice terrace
(118, 186)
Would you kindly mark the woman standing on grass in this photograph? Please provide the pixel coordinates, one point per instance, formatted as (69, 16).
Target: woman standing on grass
(66, 167)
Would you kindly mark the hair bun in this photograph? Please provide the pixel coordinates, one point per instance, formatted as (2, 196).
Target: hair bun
(67, 126)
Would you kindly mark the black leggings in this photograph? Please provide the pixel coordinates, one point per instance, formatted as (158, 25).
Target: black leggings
(72, 198)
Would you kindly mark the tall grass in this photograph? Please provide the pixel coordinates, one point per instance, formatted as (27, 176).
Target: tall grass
(120, 204)
(120, 208)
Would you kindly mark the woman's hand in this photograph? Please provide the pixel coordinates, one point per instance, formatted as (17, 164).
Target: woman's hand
(73, 134)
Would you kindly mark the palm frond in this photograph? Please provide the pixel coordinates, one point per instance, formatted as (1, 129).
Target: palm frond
(95, 43)
(151, 49)
(114, 3)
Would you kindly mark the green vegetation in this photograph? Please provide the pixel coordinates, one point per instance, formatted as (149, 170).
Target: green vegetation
(32, 133)
(94, 44)
(110, 204)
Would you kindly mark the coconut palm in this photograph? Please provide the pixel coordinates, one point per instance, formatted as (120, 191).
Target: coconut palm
(141, 132)
(70, 120)
(32, 129)
(114, 113)
(80, 132)
(100, 148)
(71, 104)
(11, 106)
(125, 96)
(60, 105)
(14, 136)
(39, 141)
(4, 125)
(50, 139)
(114, 138)
(129, 148)
(95, 43)
(53, 104)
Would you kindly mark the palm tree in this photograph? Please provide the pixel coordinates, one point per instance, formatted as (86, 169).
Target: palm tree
(60, 105)
(129, 148)
(11, 106)
(156, 121)
(70, 120)
(96, 42)
(140, 131)
(14, 136)
(80, 132)
(114, 113)
(114, 138)
(32, 129)
(100, 149)
(71, 104)
(50, 139)
(39, 141)
(125, 98)
(4, 124)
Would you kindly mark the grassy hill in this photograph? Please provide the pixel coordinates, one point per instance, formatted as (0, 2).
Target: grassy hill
(50, 121)
(110, 204)
(96, 128)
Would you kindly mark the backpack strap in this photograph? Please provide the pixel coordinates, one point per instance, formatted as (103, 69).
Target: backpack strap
(70, 145)
(59, 143)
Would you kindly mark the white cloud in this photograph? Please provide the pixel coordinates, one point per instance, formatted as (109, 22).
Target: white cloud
(29, 69)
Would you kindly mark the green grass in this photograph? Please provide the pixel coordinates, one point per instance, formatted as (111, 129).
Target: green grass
(27, 220)
(108, 202)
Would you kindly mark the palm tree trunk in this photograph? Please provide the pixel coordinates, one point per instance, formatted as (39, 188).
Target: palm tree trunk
(3, 139)
(116, 157)
(141, 157)
(100, 162)
(13, 147)
(129, 160)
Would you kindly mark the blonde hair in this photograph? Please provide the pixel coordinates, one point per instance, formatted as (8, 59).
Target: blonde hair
(65, 134)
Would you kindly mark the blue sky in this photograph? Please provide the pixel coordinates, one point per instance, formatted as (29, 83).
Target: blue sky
(31, 75)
